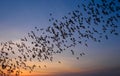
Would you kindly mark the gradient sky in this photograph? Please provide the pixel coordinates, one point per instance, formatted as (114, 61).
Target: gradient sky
(18, 17)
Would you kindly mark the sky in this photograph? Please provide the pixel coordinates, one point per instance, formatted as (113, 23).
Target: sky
(18, 17)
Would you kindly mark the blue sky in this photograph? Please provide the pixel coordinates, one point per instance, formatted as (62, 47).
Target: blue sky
(25, 14)
(18, 17)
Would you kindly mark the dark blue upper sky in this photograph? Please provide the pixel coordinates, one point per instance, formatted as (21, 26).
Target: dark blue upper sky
(25, 14)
